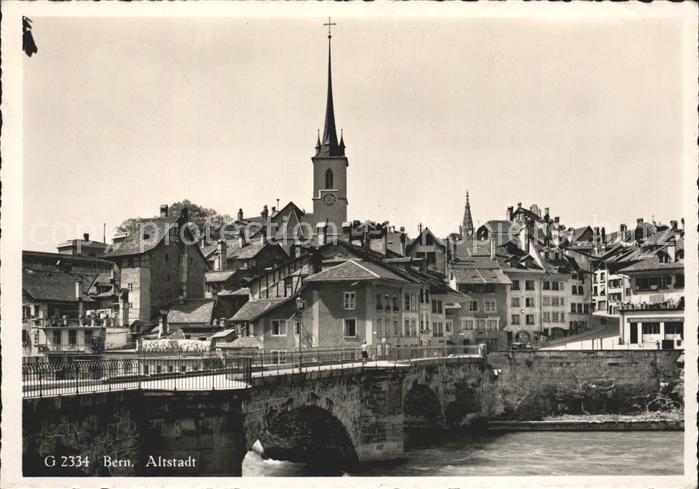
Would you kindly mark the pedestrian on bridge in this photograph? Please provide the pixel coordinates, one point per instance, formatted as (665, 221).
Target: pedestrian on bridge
(365, 354)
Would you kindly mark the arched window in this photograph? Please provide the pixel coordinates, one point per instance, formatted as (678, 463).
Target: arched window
(329, 178)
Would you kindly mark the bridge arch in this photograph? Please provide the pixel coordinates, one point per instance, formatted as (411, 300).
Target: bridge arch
(308, 433)
(422, 407)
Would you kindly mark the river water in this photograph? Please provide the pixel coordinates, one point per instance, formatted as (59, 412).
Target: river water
(513, 454)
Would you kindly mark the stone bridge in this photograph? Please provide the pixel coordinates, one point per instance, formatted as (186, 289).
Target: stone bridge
(338, 417)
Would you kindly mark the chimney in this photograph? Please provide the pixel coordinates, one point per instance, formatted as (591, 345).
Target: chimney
(265, 213)
(510, 210)
(492, 248)
(639, 221)
(519, 205)
(622, 231)
(604, 235)
(419, 228)
(524, 239)
(124, 307)
(241, 238)
(164, 211)
(86, 237)
(240, 214)
(79, 296)
(162, 328)
(673, 225)
(222, 255)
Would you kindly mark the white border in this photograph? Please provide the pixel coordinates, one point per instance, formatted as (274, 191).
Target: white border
(11, 243)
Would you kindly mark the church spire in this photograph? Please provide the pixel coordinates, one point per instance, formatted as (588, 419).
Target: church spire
(467, 224)
(329, 144)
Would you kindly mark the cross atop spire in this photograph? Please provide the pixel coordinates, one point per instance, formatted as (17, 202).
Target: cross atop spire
(329, 23)
(329, 144)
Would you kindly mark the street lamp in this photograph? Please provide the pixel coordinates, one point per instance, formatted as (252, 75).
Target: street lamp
(300, 305)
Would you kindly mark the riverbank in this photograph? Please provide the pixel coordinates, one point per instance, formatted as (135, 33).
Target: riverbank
(655, 421)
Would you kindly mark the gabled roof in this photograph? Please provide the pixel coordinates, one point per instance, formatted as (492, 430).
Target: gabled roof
(56, 285)
(422, 237)
(137, 243)
(354, 270)
(248, 251)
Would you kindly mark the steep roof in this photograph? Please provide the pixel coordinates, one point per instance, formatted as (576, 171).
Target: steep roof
(191, 311)
(354, 270)
(56, 285)
(136, 243)
(651, 264)
(479, 269)
(422, 237)
(252, 310)
(218, 277)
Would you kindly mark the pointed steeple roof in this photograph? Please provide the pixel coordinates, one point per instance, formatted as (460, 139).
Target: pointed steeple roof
(329, 143)
(467, 224)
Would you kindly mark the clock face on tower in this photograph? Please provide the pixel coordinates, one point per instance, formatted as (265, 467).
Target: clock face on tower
(328, 199)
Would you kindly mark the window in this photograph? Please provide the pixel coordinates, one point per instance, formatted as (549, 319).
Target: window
(350, 301)
(580, 308)
(472, 306)
(170, 368)
(555, 285)
(561, 301)
(480, 323)
(379, 307)
(406, 327)
(350, 328)
(406, 302)
(449, 326)
(529, 285)
(546, 315)
(675, 327)
(515, 319)
(279, 327)
(87, 338)
(278, 356)
(437, 307)
(396, 328)
(554, 301)
(492, 324)
(490, 305)
(72, 338)
(466, 324)
(547, 285)
(515, 302)
(679, 281)
(437, 328)
(413, 302)
(396, 307)
(130, 286)
(387, 303)
(586, 308)
(297, 327)
(554, 317)
(145, 369)
(572, 307)
(379, 328)
(329, 178)
(56, 337)
(529, 302)
(413, 327)
(515, 285)
(651, 328)
(530, 319)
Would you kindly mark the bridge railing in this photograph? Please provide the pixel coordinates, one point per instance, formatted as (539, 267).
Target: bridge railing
(156, 372)
(274, 362)
(214, 370)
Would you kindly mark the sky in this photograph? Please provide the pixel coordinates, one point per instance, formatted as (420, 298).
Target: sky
(122, 115)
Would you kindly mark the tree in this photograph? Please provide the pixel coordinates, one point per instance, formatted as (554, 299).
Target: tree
(204, 221)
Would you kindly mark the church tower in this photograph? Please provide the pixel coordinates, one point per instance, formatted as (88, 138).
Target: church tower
(467, 224)
(330, 169)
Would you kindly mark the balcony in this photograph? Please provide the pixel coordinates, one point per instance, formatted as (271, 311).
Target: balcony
(65, 322)
(668, 305)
